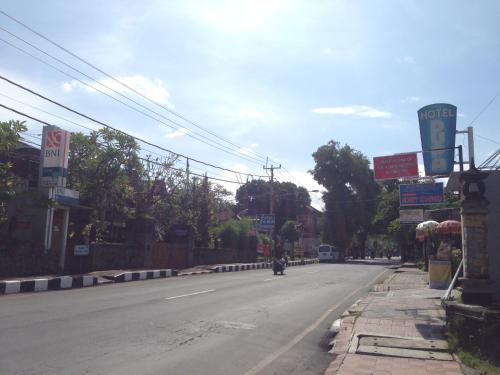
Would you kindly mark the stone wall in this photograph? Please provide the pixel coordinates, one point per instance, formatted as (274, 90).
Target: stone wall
(493, 195)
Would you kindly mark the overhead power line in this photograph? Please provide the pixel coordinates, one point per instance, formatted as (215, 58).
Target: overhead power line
(196, 136)
(487, 139)
(148, 160)
(484, 108)
(115, 129)
(177, 114)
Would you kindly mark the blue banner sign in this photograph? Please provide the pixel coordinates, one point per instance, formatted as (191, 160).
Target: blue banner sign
(266, 222)
(438, 123)
(420, 194)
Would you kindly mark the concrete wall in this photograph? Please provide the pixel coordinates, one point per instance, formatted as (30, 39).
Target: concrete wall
(493, 195)
(23, 258)
(205, 255)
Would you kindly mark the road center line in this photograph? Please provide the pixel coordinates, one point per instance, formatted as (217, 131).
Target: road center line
(273, 278)
(191, 294)
(271, 357)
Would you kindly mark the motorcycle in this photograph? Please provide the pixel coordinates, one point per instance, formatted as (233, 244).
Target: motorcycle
(279, 266)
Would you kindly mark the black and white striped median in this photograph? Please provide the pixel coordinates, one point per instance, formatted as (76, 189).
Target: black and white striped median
(262, 265)
(143, 275)
(72, 282)
(44, 284)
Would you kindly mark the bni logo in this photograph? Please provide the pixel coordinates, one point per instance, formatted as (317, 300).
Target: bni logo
(53, 139)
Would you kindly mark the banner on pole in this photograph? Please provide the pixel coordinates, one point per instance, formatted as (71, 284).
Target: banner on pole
(438, 123)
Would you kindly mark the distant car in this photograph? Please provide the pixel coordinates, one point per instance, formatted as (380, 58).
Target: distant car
(329, 253)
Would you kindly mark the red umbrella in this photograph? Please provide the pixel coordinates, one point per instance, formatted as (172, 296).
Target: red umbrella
(449, 227)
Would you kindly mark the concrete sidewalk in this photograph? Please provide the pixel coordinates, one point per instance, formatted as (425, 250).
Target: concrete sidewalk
(398, 328)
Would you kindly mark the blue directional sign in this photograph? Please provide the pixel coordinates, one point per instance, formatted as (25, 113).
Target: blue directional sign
(420, 194)
(266, 222)
(438, 123)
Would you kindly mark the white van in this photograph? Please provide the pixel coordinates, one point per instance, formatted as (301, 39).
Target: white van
(329, 253)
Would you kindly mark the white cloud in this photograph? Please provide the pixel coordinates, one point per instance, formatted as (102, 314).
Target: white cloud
(67, 87)
(353, 110)
(406, 60)
(248, 114)
(412, 99)
(151, 88)
(241, 16)
(328, 51)
(177, 133)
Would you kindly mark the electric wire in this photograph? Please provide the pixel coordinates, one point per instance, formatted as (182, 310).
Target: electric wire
(189, 134)
(152, 161)
(124, 84)
(115, 129)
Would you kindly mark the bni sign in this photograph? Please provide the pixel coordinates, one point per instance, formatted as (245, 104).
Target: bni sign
(55, 151)
(420, 194)
(438, 123)
(395, 166)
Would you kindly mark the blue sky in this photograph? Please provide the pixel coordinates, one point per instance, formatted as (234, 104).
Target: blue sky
(279, 78)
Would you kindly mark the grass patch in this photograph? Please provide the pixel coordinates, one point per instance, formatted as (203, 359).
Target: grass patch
(475, 345)
(479, 364)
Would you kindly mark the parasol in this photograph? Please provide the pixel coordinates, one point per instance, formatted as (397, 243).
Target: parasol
(451, 227)
(424, 229)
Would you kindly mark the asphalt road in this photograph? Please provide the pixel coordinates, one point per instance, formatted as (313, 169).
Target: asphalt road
(249, 322)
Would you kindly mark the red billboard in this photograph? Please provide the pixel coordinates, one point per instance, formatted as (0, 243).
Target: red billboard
(395, 166)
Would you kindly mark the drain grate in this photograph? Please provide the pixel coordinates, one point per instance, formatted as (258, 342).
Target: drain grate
(402, 347)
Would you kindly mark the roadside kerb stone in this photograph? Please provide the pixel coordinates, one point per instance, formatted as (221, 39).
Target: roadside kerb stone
(260, 265)
(45, 284)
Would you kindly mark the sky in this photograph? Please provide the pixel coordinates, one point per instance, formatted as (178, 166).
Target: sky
(268, 78)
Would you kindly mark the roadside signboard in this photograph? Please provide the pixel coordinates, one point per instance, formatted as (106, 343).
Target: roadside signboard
(420, 194)
(81, 250)
(55, 151)
(438, 123)
(395, 166)
(266, 222)
(411, 216)
(66, 196)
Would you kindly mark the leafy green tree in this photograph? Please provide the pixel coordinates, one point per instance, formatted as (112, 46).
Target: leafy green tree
(289, 231)
(289, 200)
(100, 167)
(10, 134)
(350, 199)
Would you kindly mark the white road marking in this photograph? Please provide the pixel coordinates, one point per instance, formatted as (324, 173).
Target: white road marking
(191, 294)
(273, 356)
(236, 325)
(274, 278)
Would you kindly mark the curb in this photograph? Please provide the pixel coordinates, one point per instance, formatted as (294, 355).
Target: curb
(261, 265)
(44, 284)
(142, 275)
(83, 281)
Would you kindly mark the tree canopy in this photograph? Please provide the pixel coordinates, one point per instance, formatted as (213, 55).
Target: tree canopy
(350, 197)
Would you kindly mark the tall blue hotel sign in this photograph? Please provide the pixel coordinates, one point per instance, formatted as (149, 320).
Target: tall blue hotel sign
(438, 123)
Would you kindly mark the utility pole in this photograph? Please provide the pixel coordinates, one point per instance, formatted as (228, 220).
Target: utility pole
(470, 142)
(271, 204)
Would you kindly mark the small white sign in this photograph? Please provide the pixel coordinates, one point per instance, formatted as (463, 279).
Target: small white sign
(411, 216)
(81, 250)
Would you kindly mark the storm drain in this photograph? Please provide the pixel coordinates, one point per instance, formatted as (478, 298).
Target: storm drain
(401, 347)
